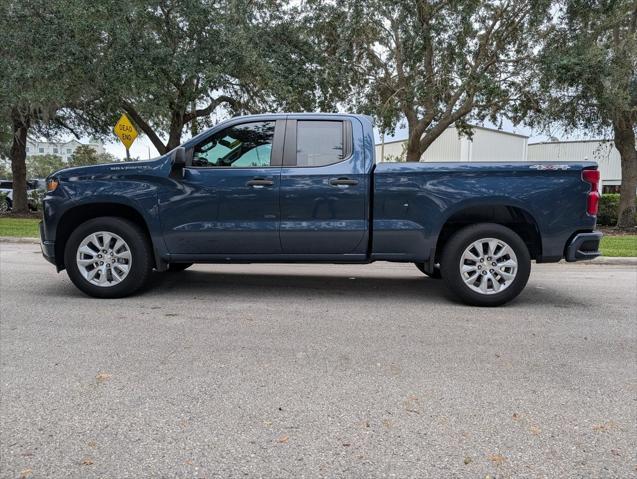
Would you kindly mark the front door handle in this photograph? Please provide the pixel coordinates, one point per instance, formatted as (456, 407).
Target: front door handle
(343, 182)
(259, 183)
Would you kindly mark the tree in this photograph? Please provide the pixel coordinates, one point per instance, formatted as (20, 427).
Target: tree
(41, 166)
(431, 63)
(173, 63)
(45, 56)
(85, 155)
(588, 81)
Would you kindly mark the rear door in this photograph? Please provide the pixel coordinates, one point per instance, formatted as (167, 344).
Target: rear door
(324, 188)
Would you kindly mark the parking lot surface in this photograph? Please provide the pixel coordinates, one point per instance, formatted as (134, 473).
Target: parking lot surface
(316, 371)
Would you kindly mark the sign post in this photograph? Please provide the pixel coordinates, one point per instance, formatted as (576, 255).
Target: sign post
(126, 132)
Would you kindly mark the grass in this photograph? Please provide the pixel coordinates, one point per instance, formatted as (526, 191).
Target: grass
(619, 245)
(24, 227)
(625, 245)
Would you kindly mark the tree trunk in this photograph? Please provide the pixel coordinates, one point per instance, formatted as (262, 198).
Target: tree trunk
(413, 147)
(176, 127)
(624, 131)
(18, 156)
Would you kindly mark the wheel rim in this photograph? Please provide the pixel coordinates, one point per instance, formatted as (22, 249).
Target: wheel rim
(104, 259)
(488, 266)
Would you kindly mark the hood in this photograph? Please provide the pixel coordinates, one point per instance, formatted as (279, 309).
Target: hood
(103, 170)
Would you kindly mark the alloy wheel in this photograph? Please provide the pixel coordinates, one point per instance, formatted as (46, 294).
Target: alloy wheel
(104, 259)
(488, 266)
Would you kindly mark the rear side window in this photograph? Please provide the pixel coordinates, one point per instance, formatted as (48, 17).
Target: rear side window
(319, 143)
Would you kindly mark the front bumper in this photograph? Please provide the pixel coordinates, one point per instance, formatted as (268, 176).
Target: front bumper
(584, 246)
(47, 247)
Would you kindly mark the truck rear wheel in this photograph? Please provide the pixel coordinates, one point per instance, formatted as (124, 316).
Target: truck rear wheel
(108, 257)
(485, 264)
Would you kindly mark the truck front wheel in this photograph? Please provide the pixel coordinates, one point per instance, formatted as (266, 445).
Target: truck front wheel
(108, 257)
(485, 264)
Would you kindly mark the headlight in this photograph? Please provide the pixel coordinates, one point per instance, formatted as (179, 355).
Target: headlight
(52, 184)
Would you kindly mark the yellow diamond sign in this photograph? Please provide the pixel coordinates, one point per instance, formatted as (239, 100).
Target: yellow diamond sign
(125, 130)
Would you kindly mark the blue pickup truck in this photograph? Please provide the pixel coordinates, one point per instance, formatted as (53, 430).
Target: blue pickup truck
(305, 188)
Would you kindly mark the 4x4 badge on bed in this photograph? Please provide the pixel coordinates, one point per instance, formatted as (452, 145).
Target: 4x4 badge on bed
(550, 167)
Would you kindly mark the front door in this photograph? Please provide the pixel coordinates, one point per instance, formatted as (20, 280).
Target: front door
(228, 202)
(324, 190)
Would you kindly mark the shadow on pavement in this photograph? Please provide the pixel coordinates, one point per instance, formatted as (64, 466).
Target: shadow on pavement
(256, 286)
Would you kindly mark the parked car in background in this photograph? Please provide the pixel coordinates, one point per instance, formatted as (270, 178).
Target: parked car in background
(305, 188)
(35, 191)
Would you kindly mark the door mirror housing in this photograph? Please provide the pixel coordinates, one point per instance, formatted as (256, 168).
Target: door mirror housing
(179, 156)
(178, 162)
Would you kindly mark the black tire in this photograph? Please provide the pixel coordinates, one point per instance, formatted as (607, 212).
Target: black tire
(177, 267)
(435, 275)
(461, 240)
(140, 250)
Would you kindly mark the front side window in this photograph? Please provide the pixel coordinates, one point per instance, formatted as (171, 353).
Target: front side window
(248, 145)
(319, 143)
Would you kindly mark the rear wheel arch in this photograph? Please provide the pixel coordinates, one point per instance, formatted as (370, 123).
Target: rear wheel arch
(514, 217)
(82, 213)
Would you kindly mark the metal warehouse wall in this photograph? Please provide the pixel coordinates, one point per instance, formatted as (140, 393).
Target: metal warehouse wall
(494, 145)
(603, 152)
(487, 145)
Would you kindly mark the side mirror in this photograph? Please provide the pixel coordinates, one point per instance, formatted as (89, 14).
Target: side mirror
(179, 162)
(179, 156)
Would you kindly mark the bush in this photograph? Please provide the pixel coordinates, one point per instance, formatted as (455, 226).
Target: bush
(4, 202)
(35, 199)
(608, 206)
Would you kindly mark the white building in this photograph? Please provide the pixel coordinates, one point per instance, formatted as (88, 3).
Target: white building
(63, 150)
(487, 144)
(601, 151)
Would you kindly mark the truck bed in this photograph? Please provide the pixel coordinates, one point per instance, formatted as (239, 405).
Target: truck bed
(413, 202)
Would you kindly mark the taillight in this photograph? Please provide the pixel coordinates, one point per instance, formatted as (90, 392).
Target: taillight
(592, 177)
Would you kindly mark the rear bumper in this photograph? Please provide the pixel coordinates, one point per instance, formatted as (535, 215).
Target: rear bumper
(584, 246)
(47, 247)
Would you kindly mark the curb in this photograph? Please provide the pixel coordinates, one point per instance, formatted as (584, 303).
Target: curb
(17, 239)
(613, 260)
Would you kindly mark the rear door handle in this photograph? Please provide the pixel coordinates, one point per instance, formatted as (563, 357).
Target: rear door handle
(343, 182)
(259, 183)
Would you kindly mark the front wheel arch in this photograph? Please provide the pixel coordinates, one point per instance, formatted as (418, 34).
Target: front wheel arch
(77, 215)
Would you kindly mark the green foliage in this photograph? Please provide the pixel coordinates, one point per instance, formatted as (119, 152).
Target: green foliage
(4, 203)
(608, 207)
(587, 69)
(431, 63)
(35, 199)
(171, 63)
(5, 170)
(41, 166)
(84, 155)
(47, 60)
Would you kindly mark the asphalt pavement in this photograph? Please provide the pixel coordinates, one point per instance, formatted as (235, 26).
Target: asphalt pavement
(316, 371)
